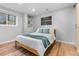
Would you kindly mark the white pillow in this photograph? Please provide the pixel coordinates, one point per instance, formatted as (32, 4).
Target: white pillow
(51, 30)
(37, 30)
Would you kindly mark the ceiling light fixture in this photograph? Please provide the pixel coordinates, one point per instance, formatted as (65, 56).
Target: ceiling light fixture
(20, 3)
(33, 9)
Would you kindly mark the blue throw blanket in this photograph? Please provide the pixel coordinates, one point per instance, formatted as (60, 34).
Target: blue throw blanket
(40, 37)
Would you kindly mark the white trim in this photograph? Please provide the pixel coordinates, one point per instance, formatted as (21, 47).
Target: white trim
(71, 43)
(9, 24)
(7, 41)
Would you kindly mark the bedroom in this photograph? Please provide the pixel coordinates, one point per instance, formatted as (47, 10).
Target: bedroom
(17, 19)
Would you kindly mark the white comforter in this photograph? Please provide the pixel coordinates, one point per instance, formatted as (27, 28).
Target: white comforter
(34, 43)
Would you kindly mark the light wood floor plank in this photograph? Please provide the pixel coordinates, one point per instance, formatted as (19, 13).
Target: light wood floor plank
(57, 49)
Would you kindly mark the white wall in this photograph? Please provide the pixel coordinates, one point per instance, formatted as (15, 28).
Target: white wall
(64, 22)
(8, 33)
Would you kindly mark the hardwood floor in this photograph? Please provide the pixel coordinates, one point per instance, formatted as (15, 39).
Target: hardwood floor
(57, 49)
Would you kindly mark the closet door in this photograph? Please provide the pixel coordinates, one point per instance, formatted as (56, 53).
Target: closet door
(77, 41)
(77, 28)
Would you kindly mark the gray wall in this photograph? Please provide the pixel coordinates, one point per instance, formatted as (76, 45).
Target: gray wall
(64, 22)
(8, 33)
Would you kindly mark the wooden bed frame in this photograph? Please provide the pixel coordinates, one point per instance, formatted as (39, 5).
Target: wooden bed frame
(18, 43)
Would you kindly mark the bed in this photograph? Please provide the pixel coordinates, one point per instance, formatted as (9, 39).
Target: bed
(37, 42)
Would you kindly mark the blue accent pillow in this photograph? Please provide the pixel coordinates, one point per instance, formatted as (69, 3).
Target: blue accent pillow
(40, 31)
(46, 31)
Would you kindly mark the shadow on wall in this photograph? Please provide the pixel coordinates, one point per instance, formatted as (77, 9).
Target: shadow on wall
(60, 34)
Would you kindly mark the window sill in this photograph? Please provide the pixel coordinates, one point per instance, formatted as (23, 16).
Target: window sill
(8, 25)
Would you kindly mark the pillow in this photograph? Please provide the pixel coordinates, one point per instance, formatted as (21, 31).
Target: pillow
(51, 31)
(46, 31)
(43, 30)
(40, 31)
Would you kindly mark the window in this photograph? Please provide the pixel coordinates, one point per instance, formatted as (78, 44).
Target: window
(3, 18)
(11, 19)
(7, 19)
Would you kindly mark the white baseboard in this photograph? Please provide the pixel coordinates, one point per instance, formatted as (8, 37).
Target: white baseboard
(71, 43)
(6, 42)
